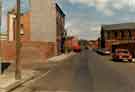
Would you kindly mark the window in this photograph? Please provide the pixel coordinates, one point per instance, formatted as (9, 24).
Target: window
(122, 35)
(129, 35)
(22, 30)
(116, 35)
(108, 35)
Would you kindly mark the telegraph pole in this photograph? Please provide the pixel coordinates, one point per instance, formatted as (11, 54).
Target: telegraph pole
(18, 43)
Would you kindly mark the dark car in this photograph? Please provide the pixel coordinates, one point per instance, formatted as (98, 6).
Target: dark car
(103, 51)
(106, 51)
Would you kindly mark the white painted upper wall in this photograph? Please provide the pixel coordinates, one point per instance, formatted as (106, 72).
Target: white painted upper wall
(43, 21)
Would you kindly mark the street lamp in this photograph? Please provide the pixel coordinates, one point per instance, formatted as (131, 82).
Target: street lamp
(18, 43)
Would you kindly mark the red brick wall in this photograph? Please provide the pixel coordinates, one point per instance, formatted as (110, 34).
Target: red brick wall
(60, 22)
(110, 36)
(29, 50)
(47, 49)
(108, 44)
(7, 50)
(41, 49)
(69, 43)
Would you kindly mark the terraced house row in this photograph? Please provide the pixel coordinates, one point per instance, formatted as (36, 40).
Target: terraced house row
(118, 36)
(42, 31)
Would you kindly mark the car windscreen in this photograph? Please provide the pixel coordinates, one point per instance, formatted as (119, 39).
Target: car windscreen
(123, 51)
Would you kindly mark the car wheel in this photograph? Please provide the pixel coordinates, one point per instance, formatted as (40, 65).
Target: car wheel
(130, 61)
(114, 59)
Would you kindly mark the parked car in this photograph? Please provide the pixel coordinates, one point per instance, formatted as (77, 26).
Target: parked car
(106, 51)
(95, 49)
(98, 50)
(122, 54)
(103, 51)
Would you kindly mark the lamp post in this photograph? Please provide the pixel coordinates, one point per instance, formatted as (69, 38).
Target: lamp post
(18, 43)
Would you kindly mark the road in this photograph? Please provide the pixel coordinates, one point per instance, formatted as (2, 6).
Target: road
(85, 72)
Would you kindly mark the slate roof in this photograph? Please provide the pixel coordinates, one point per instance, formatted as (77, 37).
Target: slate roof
(121, 26)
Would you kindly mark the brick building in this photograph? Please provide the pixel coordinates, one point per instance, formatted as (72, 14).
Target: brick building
(48, 21)
(42, 32)
(7, 41)
(70, 42)
(117, 34)
(61, 33)
(25, 26)
(94, 43)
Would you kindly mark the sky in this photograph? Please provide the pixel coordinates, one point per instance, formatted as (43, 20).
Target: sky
(85, 17)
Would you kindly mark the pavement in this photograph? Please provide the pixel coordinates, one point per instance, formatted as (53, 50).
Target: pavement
(8, 82)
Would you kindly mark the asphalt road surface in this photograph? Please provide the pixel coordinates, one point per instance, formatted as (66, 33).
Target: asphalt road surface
(85, 72)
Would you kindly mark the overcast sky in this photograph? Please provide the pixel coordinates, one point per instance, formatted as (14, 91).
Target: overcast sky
(84, 17)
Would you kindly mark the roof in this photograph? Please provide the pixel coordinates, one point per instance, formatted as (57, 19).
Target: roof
(121, 26)
(60, 10)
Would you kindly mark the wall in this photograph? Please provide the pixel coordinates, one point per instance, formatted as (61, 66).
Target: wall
(71, 42)
(25, 20)
(7, 50)
(60, 19)
(43, 21)
(110, 37)
(8, 47)
(29, 51)
(39, 33)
